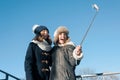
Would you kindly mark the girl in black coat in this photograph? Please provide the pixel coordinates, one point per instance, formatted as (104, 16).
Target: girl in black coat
(37, 59)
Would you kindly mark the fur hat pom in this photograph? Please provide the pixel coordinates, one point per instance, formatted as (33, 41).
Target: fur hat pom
(34, 27)
(60, 29)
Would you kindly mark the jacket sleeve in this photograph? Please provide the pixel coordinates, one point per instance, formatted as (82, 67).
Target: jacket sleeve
(71, 58)
(28, 63)
(50, 57)
(74, 59)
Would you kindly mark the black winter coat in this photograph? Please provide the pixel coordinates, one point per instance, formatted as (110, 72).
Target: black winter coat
(36, 63)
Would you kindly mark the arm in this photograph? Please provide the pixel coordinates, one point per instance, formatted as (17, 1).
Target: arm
(77, 53)
(28, 63)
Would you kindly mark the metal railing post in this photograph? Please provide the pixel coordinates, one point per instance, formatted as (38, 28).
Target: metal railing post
(7, 75)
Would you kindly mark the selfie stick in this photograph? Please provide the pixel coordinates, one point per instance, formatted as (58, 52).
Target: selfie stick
(97, 9)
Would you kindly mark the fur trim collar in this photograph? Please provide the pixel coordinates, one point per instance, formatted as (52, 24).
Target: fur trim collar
(68, 43)
(43, 45)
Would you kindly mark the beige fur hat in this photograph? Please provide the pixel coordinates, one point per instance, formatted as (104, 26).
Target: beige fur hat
(59, 30)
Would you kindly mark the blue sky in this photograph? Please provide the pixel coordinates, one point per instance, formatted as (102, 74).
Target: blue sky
(101, 46)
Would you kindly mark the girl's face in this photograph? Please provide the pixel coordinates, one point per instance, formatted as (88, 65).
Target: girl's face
(44, 34)
(62, 38)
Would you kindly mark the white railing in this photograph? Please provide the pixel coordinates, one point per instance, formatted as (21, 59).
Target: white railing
(96, 76)
(100, 76)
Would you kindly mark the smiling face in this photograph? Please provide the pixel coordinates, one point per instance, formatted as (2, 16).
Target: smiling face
(62, 37)
(44, 34)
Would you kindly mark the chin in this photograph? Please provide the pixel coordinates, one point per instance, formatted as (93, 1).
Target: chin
(61, 42)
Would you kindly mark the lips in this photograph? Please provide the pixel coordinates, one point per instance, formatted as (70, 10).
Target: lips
(61, 39)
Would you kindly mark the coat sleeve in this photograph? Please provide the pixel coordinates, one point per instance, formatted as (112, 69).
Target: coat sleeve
(70, 53)
(72, 59)
(78, 58)
(28, 63)
(50, 57)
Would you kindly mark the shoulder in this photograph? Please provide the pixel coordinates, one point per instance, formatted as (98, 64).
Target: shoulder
(70, 45)
(31, 45)
(54, 48)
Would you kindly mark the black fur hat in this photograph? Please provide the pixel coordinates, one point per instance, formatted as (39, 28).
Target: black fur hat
(38, 28)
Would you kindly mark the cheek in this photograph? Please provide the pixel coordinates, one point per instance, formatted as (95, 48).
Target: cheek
(46, 32)
(42, 34)
(59, 37)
